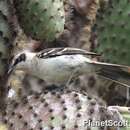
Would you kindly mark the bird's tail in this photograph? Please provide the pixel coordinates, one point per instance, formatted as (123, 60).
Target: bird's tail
(114, 72)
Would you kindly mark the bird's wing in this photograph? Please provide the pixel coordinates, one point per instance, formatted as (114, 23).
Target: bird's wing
(52, 52)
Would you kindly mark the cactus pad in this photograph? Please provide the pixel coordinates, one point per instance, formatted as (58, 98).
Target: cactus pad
(57, 110)
(41, 19)
(5, 34)
(113, 29)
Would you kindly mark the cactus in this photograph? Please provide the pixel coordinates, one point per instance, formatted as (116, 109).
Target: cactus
(125, 112)
(112, 31)
(5, 35)
(6, 38)
(56, 110)
(41, 19)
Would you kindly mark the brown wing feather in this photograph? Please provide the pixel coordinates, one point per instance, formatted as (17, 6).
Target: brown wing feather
(52, 52)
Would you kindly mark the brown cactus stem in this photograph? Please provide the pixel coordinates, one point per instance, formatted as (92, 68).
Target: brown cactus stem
(82, 6)
(90, 15)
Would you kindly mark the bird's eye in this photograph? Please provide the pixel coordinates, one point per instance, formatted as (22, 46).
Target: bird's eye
(22, 57)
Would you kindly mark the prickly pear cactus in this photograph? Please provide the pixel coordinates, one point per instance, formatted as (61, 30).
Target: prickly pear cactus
(112, 30)
(56, 110)
(41, 19)
(6, 35)
(6, 39)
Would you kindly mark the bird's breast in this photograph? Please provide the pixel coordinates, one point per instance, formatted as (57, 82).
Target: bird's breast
(59, 69)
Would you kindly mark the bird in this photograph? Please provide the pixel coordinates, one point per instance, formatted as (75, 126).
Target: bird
(60, 65)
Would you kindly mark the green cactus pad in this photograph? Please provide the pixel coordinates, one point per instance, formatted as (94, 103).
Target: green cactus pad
(113, 31)
(41, 19)
(5, 35)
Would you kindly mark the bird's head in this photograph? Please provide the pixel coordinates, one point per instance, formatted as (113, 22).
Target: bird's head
(20, 61)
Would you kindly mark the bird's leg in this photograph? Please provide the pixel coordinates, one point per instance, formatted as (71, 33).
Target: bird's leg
(72, 78)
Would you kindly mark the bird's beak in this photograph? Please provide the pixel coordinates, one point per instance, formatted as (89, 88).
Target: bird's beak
(10, 70)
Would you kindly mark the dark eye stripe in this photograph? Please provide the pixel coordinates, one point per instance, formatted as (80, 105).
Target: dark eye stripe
(21, 58)
(16, 62)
